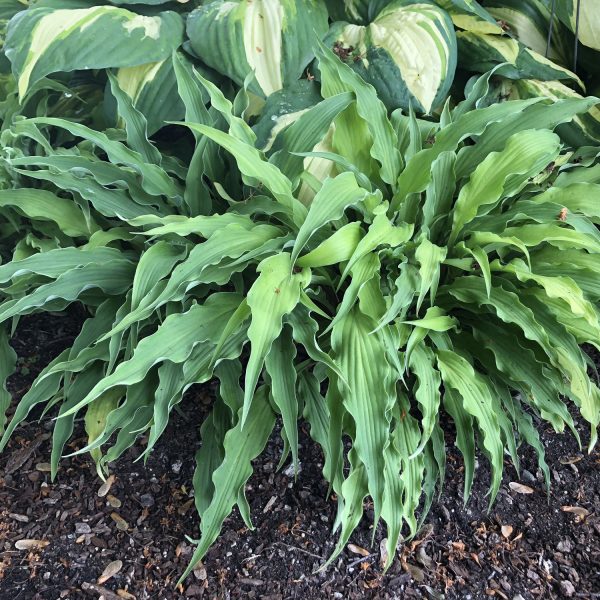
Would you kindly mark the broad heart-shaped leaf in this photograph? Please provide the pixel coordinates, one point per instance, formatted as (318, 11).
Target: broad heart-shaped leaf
(240, 447)
(477, 400)
(481, 52)
(384, 54)
(529, 22)
(283, 108)
(469, 15)
(589, 20)
(274, 294)
(328, 205)
(273, 38)
(369, 395)
(152, 88)
(503, 173)
(44, 40)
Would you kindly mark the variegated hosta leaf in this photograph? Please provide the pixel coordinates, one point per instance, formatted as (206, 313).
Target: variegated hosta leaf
(354, 11)
(152, 88)
(589, 20)
(529, 21)
(481, 52)
(583, 129)
(283, 108)
(272, 38)
(43, 40)
(470, 16)
(383, 53)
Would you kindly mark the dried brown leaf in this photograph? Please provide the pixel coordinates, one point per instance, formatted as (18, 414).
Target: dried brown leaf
(358, 550)
(122, 524)
(570, 460)
(105, 487)
(383, 553)
(417, 574)
(507, 531)
(111, 569)
(520, 488)
(579, 511)
(30, 544)
(113, 501)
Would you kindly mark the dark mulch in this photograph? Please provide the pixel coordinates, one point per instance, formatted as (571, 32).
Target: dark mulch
(528, 546)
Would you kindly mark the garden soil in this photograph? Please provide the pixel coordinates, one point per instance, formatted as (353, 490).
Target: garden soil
(78, 537)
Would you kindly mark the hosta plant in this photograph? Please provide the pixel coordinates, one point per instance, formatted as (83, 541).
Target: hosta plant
(438, 273)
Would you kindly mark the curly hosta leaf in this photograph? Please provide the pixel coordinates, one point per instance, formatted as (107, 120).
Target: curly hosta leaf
(240, 446)
(477, 401)
(96, 414)
(384, 54)
(279, 364)
(273, 295)
(41, 205)
(418, 172)
(8, 363)
(370, 115)
(273, 38)
(369, 395)
(174, 340)
(328, 205)
(41, 41)
(503, 173)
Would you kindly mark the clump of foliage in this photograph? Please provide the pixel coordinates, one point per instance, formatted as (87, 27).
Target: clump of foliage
(302, 237)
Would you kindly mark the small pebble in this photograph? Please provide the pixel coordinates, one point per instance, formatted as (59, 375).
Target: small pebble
(564, 546)
(147, 500)
(82, 528)
(528, 476)
(567, 588)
